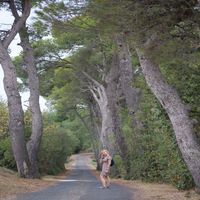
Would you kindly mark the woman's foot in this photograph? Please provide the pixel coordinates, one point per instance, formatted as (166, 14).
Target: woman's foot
(102, 187)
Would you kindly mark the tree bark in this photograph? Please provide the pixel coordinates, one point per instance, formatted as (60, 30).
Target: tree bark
(112, 80)
(95, 134)
(16, 115)
(177, 112)
(17, 24)
(33, 84)
(107, 133)
(99, 94)
(126, 79)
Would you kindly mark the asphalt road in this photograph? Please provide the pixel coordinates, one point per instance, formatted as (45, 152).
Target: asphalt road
(81, 185)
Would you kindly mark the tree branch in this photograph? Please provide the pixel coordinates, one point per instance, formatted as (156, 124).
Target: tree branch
(94, 94)
(92, 79)
(14, 10)
(82, 120)
(17, 24)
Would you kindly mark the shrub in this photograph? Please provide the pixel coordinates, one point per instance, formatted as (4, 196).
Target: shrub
(56, 146)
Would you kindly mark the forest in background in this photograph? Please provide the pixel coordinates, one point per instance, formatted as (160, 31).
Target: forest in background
(121, 75)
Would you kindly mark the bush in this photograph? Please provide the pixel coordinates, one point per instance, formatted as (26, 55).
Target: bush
(6, 155)
(118, 169)
(56, 146)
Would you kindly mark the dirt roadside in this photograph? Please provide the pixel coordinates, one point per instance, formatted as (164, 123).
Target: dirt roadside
(153, 191)
(11, 184)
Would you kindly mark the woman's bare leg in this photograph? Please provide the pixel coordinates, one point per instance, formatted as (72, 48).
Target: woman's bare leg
(107, 181)
(103, 181)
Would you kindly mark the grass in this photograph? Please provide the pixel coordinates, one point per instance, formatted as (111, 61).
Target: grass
(11, 184)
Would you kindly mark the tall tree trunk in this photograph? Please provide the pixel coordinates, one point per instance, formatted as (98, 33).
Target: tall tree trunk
(107, 136)
(112, 80)
(16, 115)
(177, 112)
(33, 83)
(126, 78)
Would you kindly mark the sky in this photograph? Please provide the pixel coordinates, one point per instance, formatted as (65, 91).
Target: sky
(5, 21)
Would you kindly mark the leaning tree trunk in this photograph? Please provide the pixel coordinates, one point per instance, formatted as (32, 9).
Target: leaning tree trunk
(177, 112)
(33, 84)
(16, 115)
(107, 137)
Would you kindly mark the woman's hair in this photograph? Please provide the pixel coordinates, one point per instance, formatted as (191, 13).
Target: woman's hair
(105, 151)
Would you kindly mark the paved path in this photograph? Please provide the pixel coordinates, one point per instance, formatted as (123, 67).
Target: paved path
(81, 185)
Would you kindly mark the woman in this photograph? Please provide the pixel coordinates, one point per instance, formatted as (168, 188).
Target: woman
(105, 159)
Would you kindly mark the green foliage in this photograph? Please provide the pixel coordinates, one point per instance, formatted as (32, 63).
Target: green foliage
(79, 132)
(6, 155)
(27, 123)
(56, 146)
(60, 140)
(3, 119)
(119, 167)
(73, 32)
(185, 74)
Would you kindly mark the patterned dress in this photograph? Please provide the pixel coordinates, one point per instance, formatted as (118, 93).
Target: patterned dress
(105, 165)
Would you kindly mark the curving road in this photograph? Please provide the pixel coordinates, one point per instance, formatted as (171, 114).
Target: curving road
(80, 185)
